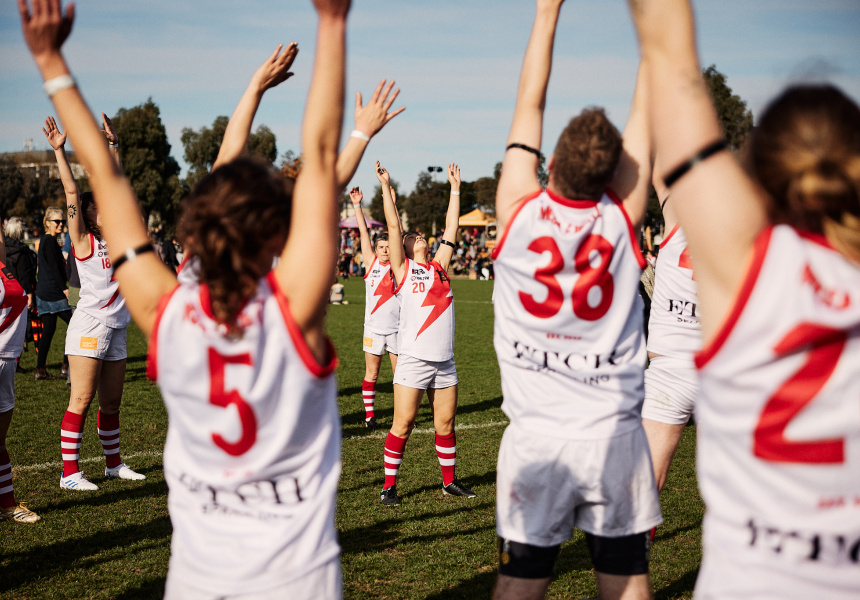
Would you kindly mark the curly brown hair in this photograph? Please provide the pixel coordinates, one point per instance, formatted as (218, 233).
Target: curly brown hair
(805, 152)
(229, 219)
(586, 156)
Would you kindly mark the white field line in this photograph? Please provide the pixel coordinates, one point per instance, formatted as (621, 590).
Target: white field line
(150, 453)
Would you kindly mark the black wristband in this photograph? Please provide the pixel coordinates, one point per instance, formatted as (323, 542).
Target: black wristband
(447, 243)
(132, 254)
(682, 169)
(534, 151)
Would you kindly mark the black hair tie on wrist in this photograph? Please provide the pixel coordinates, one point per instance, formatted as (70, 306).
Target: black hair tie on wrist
(534, 151)
(703, 154)
(447, 243)
(132, 254)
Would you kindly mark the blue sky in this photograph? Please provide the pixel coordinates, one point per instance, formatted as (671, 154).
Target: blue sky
(457, 63)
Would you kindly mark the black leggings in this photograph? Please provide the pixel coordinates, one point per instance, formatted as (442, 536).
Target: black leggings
(49, 326)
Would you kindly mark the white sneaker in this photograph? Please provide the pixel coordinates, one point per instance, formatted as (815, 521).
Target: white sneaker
(121, 471)
(19, 513)
(77, 481)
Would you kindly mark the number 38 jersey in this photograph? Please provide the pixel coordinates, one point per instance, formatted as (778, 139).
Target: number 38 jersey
(568, 330)
(779, 417)
(252, 457)
(100, 297)
(382, 310)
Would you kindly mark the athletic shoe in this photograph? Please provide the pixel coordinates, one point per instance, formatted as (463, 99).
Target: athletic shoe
(121, 471)
(77, 481)
(19, 513)
(455, 488)
(371, 423)
(43, 375)
(389, 496)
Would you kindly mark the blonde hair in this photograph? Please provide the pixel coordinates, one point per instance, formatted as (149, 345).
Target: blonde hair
(51, 210)
(15, 228)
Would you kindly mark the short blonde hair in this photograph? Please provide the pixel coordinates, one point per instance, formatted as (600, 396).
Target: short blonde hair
(51, 210)
(15, 228)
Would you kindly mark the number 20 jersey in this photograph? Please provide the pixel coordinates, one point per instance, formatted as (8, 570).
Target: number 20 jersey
(779, 415)
(252, 457)
(568, 328)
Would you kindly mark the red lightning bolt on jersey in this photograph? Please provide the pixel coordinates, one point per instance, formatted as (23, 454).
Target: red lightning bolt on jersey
(385, 291)
(438, 296)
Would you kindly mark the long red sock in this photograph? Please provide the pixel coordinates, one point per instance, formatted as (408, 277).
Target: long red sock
(392, 457)
(368, 392)
(446, 452)
(108, 426)
(71, 433)
(7, 497)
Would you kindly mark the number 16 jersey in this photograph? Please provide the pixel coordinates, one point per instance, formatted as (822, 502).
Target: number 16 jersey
(568, 328)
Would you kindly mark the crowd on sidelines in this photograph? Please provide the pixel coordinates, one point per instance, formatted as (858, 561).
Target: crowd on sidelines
(754, 326)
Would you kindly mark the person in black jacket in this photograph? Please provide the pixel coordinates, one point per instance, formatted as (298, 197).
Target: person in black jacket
(52, 294)
(20, 259)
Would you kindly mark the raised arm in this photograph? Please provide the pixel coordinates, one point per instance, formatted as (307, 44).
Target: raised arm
(274, 71)
(369, 120)
(313, 231)
(367, 254)
(145, 280)
(112, 139)
(396, 253)
(519, 169)
(77, 231)
(452, 219)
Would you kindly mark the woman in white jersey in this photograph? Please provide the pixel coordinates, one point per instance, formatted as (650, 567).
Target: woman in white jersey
(777, 251)
(425, 340)
(252, 457)
(96, 337)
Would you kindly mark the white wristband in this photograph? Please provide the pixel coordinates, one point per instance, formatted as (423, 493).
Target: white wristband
(453, 193)
(357, 134)
(52, 86)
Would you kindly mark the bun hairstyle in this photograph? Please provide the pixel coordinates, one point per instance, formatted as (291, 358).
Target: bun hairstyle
(231, 216)
(586, 156)
(90, 223)
(805, 152)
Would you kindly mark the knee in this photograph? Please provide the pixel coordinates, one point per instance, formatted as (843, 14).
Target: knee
(371, 374)
(402, 428)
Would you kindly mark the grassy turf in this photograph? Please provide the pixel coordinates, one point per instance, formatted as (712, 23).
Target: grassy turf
(115, 543)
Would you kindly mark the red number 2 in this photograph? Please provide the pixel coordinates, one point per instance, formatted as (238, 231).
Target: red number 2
(219, 396)
(825, 346)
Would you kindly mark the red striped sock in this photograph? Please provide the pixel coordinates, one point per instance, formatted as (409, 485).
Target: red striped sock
(368, 392)
(71, 433)
(7, 497)
(392, 457)
(108, 426)
(446, 452)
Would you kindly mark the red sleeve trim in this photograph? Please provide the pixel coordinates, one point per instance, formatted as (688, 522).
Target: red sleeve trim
(671, 233)
(634, 241)
(406, 268)
(299, 342)
(759, 252)
(587, 203)
(370, 268)
(501, 240)
(152, 353)
(92, 249)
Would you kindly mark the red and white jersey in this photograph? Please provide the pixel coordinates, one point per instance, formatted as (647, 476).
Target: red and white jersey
(381, 307)
(779, 418)
(100, 297)
(675, 327)
(426, 329)
(188, 270)
(568, 332)
(252, 457)
(13, 315)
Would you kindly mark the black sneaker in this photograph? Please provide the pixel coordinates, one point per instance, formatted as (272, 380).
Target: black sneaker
(371, 423)
(455, 488)
(389, 496)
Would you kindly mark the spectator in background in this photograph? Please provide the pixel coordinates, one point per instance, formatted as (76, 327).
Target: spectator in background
(20, 259)
(52, 294)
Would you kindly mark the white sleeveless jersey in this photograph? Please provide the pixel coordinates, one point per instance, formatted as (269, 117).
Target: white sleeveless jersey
(779, 419)
(188, 270)
(381, 307)
(675, 327)
(252, 457)
(13, 315)
(426, 329)
(100, 297)
(568, 331)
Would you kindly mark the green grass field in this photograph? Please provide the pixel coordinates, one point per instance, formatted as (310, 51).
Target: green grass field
(115, 543)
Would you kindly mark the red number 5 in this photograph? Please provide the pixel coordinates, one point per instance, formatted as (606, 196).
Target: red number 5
(223, 398)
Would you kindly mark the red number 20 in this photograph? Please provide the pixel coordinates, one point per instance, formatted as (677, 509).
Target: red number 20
(219, 396)
(589, 277)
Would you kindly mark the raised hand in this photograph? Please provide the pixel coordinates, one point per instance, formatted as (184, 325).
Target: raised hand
(356, 196)
(46, 27)
(56, 138)
(382, 175)
(276, 69)
(108, 130)
(454, 176)
(332, 8)
(373, 117)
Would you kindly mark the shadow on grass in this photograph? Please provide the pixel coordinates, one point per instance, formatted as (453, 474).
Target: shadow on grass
(681, 586)
(154, 489)
(478, 586)
(153, 588)
(465, 409)
(664, 534)
(488, 478)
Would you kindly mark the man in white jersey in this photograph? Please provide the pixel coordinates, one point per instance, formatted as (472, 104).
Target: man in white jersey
(381, 309)
(568, 335)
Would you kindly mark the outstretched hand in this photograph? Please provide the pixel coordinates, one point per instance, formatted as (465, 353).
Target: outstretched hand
(382, 175)
(454, 176)
(56, 138)
(356, 196)
(371, 118)
(108, 130)
(276, 69)
(332, 8)
(46, 27)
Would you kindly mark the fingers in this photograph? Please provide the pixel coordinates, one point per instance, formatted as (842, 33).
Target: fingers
(377, 91)
(274, 55)
(24, 11)
(390, 116)
(357, 101)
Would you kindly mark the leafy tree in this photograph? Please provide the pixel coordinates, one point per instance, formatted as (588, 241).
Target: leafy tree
(291, 165)
(485, 190)
(262, 143)
(735, 118)
(377, 211)
(427, 204)
(11, 184)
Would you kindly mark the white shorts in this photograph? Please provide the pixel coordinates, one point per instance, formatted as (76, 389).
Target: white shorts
(377, 343)
(87, 336)
(7, 384)
(546, 486)
(423, 374)
(671, 387)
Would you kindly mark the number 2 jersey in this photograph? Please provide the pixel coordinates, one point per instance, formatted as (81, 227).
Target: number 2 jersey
(779, 420)
(13, 315)
(252, 457)
(100, 297)
(382, 310)
(568, 329)
(426, 328)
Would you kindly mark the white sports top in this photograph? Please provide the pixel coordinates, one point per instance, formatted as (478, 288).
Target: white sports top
(568, 330)
(13, 315)
(252, 457)
(100, 297)
(426, 328)
(381, 308)
(675, 326)
(779, 419)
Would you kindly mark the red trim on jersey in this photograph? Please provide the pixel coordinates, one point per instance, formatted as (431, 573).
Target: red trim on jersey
(501, 240)
(206, 302)
(671, 233)
(370, 268)
(405, 277)
(816, 238)
(92, 249)
(759, 252)
(183, 263)
(587, 203)
(152, 354)
(299, 342)
(112, 299)
(637, 251)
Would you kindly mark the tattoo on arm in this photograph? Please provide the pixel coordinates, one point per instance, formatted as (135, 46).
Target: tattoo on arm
(73, 210)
